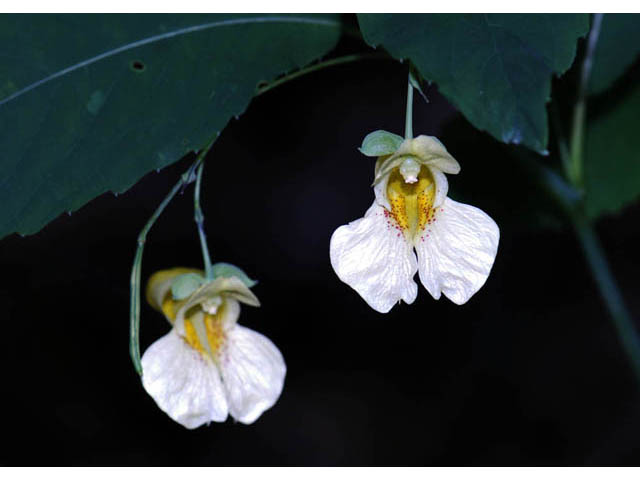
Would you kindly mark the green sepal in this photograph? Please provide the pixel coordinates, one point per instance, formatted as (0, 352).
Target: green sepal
(185, 284)
(380, 143)
(228, 270)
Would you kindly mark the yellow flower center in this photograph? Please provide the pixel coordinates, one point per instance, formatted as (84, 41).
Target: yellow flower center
(205, 332)
(411, 203)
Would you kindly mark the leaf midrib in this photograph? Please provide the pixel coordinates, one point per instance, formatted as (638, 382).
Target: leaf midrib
(165, 36)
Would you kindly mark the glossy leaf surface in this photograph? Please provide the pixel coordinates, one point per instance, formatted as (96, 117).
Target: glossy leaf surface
(495, 68)
(90, 103)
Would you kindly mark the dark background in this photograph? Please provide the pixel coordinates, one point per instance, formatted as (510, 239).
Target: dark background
(528, 372)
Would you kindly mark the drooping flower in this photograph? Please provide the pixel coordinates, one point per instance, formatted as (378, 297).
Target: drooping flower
(456, 244)
(208, 366)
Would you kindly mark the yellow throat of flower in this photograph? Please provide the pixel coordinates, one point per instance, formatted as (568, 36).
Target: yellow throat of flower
(205, 332)
(202, 330)
(206, 314)
(411, 203)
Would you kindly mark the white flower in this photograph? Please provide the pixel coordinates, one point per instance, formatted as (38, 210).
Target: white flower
(456, 244)
(208, 366)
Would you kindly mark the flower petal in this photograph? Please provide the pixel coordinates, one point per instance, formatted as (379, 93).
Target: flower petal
(442, 186)
(384, 168)
(456, 253)
(232, 288)
(373, 257)
(434, 153)
(184, 384)
(380, 192)
(253, 372)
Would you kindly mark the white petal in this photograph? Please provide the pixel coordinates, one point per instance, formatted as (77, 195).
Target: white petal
(184, 384)
(442, 186)
(380, 191)
(456, 253)
(229, 311)
(253, 373)
(374, 258)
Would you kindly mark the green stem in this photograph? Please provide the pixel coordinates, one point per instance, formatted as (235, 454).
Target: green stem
(577, 133)
(199, 218)
(585, 232)
(571, 203)
(319, 66)
(563, 149)
(609, 290)
(408, 125)
(134, 312)
(134, 309)
(575, 171)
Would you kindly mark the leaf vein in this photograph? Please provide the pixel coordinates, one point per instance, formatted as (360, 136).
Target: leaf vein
(164, 36)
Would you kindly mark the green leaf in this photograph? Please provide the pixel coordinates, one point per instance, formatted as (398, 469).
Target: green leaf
(612, 158)
(228, 270)
(184, 285)
(617, 48)
(90, 103)
(380, 143)
(495, 68)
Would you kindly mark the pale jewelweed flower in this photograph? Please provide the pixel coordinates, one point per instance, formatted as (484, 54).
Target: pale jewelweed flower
(208, 366)
(455, 243)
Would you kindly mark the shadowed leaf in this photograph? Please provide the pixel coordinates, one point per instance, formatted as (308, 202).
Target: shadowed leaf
(617, 48)
(612, 158)
(90, 103)
(495, 68)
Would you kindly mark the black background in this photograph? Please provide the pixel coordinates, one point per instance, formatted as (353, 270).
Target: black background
(528, 372)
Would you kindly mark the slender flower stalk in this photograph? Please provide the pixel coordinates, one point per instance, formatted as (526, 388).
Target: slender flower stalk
(408, 125)
(134, 310)
(199, 219)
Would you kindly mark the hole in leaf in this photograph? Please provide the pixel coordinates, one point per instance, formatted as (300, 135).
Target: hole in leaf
(137, 66)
